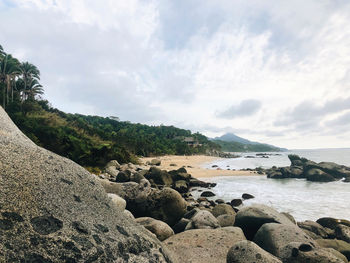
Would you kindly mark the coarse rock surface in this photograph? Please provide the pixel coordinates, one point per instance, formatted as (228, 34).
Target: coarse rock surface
(226, 220)
(332, 223)
(223, 209)
(157, 227)
(53, 210)
(251, 218)
(203, 219)
(342, 232)
(166, 205)
(315, 228)
(118, 201)
(132, 192)
(317, 175)
(204, 245)
(247, 251)
(297, 252)
(273, 237)
(339, 245)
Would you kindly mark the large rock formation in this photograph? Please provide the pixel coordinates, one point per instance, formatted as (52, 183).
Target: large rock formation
(53, 210)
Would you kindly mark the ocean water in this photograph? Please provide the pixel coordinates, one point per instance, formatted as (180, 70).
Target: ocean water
(304, 200)
(340, 156)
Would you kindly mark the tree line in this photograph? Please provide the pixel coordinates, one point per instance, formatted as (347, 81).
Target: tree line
(91, 141)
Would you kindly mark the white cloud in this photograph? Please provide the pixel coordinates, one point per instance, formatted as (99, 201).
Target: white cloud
(114, 58)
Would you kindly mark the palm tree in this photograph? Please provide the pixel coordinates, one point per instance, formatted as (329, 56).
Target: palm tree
(33, 88)
(8, 72)
(28, 72)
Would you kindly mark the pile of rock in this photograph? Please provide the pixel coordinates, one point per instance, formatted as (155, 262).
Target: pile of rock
(53, 210)
(311, 171)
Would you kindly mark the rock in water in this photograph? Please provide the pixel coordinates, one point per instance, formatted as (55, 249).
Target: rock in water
(53, 210)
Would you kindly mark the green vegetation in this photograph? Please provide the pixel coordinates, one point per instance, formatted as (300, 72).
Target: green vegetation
(241, 147)
(91, 141)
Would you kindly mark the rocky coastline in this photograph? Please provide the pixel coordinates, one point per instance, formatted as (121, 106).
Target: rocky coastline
(53, 210)
(302, 168)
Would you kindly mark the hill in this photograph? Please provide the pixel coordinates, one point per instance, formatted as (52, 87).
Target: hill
(230, 142)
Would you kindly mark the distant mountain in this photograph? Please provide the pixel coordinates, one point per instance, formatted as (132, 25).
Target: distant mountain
(230, 137)
(230, 142)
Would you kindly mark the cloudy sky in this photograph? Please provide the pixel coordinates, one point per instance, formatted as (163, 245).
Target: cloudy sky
(271, 71)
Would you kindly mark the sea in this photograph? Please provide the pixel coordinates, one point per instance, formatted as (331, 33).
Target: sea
(303, 199)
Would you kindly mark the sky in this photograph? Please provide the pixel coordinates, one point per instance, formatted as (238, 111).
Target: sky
(271, 71)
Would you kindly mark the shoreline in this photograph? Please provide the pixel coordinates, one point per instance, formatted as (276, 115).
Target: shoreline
(194, 165)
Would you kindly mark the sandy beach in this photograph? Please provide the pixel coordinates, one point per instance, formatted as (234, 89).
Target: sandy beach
(194, 165)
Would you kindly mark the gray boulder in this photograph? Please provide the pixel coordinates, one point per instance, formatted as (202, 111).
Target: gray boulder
(203, 220)
(273, 237)
(246, 251)
(111, 171)
(113, 163)
(223, 209)
(251, 218)
(160, 177)
(316, 229)
(166, 205)
(53, 210)
(339, 245)
(157, 227)
(132, 192)
(296, 252)
(226, 220)
(118, 201)
(204, 245)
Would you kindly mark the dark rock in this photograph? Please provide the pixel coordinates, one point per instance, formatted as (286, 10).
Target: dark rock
(275, 175)
(247, 196)
(38, 211)
(332, 223)
(156, 162)
(195, 182)
(251, 218)
(236, 202)
(123, 177)
(246, 251)
(219, 201)
(161, 177)
(166, 205)
(181, 186)
(181, 225)
(317, 175)
(45, 225)
(191, 213)
(207, 194)
(342, 232)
